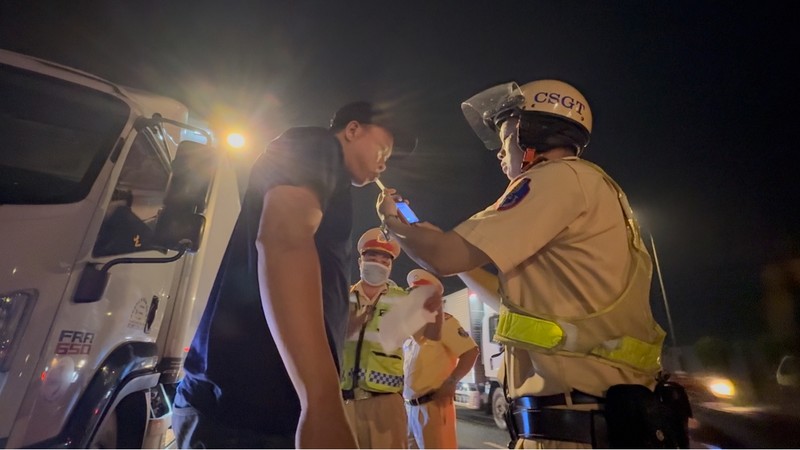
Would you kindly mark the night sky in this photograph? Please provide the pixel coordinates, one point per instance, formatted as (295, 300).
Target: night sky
(694, 102)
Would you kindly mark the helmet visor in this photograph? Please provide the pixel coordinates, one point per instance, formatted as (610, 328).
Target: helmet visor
(486, 110)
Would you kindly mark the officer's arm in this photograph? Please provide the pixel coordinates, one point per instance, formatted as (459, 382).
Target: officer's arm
(466, 362)
(444, 253)
(290, 283)
(485, 284)
(433, 330)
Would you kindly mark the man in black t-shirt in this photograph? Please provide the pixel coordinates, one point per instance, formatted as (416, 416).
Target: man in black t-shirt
(262, 370)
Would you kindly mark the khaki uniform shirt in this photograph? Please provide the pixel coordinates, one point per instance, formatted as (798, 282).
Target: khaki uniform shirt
(559, 241)
(359, 301)
(427, 363)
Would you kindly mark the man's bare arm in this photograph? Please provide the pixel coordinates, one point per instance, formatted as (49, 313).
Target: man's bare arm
(291, 294)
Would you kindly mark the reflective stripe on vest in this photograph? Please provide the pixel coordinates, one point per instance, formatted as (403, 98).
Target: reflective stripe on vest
(528, 329)
(513, 329)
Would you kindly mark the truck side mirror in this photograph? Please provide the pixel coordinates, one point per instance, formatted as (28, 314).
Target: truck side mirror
(187, 196)
(175, 227)
(192, 171)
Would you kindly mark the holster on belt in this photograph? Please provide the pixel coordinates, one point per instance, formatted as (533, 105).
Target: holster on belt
(641, 418)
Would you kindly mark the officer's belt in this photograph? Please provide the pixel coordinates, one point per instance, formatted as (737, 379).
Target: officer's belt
(546, 401)
(361, 394)
(421, 400)
(534, 420)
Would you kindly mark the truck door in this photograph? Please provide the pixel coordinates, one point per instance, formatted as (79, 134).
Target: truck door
(137, 293)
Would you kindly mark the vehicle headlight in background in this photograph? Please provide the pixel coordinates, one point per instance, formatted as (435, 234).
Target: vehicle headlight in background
(721, 387)
(14, 309)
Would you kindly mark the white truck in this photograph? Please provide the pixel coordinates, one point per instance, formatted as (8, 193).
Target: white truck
(480, 389)
(112, 231)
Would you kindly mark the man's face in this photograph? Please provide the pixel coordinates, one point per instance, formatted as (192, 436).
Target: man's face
(510, 154)
(367, 147)
(376, 256)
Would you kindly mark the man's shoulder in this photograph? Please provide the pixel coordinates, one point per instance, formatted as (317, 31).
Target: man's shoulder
(303, 137)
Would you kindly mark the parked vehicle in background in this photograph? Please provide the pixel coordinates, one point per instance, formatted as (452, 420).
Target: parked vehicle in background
(114, 223)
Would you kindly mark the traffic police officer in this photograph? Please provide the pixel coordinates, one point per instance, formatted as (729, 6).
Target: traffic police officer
(434, 359)
(573, 274)
(372, 378)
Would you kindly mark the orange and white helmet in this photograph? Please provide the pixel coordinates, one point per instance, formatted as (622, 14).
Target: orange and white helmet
(419, 277)
(374, 239)
(552, 113)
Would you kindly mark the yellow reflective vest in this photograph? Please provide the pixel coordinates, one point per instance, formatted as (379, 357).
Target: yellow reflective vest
(364, 358)
(622, 334)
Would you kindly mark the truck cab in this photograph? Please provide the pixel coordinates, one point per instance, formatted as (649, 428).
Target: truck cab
(115, 213)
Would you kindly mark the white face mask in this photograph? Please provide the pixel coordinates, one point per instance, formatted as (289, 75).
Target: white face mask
(374, 273)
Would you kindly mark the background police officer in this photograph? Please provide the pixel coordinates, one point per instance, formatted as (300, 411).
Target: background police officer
(435, 359)
(372, 378)
(573, 274)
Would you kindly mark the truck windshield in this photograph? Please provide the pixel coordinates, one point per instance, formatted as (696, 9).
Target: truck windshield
(54, 137)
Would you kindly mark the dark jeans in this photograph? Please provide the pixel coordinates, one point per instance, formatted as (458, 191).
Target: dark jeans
(194, 430)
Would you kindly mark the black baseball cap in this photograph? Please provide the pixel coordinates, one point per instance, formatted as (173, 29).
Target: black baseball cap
(368, 113)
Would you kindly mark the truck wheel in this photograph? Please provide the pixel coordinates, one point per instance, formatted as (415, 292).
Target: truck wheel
(499, 407)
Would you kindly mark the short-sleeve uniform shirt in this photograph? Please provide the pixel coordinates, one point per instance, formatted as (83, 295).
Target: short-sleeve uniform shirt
(559, 241)
(427, 363)
(234, 372)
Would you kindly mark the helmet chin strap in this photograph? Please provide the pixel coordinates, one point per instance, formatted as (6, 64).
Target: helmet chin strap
(530, 158)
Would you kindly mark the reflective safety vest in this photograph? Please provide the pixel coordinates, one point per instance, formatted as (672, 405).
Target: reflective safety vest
(364, 358)
(624, 334)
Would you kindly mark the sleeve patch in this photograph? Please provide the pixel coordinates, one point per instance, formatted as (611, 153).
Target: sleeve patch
(517, 193)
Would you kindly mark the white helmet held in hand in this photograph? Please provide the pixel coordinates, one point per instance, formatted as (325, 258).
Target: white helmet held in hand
(419, 277)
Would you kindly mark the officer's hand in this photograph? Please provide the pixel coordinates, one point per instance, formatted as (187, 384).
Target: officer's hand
(446, 392)
(357, 320)
(433, 303)
(386, 203)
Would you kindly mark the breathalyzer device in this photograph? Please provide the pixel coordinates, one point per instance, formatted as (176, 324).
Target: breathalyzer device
(402, 207)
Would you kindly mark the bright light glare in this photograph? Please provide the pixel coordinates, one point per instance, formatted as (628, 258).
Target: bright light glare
(721, 387)
(235, 140)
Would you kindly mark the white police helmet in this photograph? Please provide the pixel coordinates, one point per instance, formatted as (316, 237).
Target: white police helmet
(552, 113)
(419, 277)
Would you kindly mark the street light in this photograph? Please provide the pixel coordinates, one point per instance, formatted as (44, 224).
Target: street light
(663, 291)
(235, 140)
(676, 353)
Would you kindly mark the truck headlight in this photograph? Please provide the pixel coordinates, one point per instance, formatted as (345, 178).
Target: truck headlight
(14, 309)
(721, 387)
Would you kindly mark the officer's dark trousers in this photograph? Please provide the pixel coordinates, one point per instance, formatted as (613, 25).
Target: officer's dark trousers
(193, 430)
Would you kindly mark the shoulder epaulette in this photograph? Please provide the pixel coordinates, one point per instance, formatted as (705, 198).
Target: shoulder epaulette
(396, 290)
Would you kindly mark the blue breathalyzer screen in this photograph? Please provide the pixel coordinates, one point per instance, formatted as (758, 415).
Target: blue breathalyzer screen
(408, 214)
